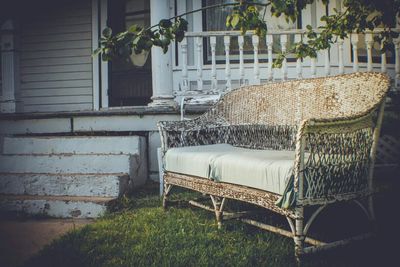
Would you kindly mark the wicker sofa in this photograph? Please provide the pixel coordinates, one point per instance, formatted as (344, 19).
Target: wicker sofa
(285, 146)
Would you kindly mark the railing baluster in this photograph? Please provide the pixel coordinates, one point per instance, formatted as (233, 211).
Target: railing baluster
(297, 38)
(284, 63)
(227, 42)
(269, 42)
(199, 48)
(369, 41)
(241, 60)
(383, 60)
(354, 43)
(313, 67)
(340, 47)
(256, 68)
(327, 62)
(185, 83)
(213, 43)
(397, 62)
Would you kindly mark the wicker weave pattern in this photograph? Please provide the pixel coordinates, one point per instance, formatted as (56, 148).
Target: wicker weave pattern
(338, 163)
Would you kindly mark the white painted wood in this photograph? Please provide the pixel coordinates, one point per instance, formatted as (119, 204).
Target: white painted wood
(58, 56)
(283, 39)
(62, 76)
(60, 61)
(199, 60)
(9, 66)
(66, 207)
(241, 59)
(313, 67)
(57, 37)
(227, 42)
(269, 42)
(57, 84)
(120, 123)
(66, 163)
(56, 125)
(327, 64)
(57, 69)
(354, 43)
(57, 107)
(103, 65)
(99, 185)
(56, 92)
(72, 145)
(397, 61)
(57, 100)
(297, 39)
(256, 68)
(74, 52)
(57, 29)
(383, 61)
(340, 55)
(369, 41)
(213, 43)
(95, 61)
(59, 45)
(184, 56)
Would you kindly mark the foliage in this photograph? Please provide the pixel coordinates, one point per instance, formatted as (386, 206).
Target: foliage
(357, 16)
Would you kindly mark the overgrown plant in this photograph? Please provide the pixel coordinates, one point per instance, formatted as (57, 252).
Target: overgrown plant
(356, 16)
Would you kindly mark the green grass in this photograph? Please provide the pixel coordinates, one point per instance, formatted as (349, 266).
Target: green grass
(137, 232)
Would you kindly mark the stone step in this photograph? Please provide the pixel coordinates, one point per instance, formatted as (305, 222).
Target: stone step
(69, 163)
(72, 144)
(55, 206)
(99, 185)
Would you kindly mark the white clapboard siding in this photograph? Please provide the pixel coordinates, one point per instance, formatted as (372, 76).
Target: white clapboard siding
(59, 45)
(58, 107)
(56, 63)
(61, 76)
(56, 37)
(65, 99)
(57, 92)
(68, 52)
(56, 21)
(56, 84)
(56, 69)
(51, 29)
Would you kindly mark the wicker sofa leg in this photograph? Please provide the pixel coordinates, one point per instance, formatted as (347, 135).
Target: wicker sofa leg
(299, 235)
(167, 189)
(218, 208)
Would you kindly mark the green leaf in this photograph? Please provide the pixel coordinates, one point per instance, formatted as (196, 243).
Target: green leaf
(165, 23)
(228, 21)
(134, 28)
(107, 32)
(235, 20)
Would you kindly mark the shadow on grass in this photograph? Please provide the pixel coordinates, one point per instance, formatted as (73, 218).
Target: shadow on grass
(137, 232)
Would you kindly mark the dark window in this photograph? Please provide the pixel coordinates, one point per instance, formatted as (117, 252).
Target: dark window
(130, 85)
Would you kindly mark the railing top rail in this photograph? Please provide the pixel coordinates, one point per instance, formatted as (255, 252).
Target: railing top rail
(271, 32)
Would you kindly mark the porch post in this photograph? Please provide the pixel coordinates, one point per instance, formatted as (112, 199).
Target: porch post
(9, 69)
(161, 63)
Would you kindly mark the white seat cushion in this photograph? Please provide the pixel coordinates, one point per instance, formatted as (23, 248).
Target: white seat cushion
(268, 170)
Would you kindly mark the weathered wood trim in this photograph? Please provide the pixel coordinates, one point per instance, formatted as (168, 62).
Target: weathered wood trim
(95, 60)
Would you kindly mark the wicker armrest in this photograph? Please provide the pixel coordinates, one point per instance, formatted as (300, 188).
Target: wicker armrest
(192, 132)
(333, 158)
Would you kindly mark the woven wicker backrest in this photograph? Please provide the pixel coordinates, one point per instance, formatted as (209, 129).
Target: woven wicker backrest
(287, 103)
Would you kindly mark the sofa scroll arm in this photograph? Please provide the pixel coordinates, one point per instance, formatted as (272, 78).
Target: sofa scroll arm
(335, 158)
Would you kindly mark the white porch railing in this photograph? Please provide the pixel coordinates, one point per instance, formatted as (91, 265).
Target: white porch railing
(204, 71)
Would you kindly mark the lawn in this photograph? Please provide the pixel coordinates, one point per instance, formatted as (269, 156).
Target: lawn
(138, 232)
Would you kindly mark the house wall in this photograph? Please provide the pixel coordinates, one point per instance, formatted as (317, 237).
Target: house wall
(55, 57)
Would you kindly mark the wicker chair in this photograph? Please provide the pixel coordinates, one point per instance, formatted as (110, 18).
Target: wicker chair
(329, 125)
